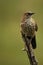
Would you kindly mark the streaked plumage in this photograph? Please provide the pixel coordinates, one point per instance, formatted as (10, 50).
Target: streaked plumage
(29, 27)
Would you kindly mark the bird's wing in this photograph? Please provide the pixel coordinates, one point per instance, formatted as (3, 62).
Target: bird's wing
(36, 27)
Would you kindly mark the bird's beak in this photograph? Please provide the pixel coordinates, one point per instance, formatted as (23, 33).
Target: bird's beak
(32, 13)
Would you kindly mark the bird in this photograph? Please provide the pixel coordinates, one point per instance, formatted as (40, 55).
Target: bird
(29, 28)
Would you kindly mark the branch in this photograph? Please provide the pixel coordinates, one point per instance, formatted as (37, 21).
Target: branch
(30, 52)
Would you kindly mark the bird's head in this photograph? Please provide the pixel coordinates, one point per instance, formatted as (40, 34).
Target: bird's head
(28, 14)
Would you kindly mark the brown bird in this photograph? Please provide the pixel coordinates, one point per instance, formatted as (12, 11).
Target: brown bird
(29, 28)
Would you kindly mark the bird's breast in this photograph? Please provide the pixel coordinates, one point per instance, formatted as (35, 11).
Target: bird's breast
(28, 27)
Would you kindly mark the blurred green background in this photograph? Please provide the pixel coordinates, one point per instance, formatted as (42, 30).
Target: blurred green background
(11, 43)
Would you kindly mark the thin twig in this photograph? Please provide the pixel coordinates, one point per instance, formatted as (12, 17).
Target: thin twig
(30, 53)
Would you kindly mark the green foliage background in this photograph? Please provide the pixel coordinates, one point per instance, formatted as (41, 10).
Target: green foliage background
(11, 42)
